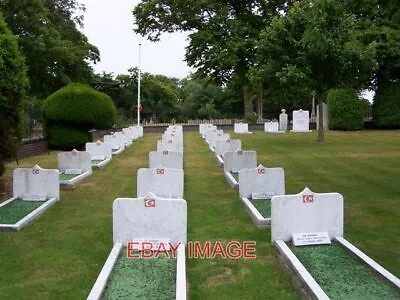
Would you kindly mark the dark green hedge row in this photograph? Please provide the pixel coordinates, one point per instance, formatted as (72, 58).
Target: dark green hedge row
(79, 104)
(72, 111)
(386, 108)
(346, 110)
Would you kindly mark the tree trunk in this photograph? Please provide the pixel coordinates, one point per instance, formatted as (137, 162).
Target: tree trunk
(321, 133)
(248, 102)
(260, 103)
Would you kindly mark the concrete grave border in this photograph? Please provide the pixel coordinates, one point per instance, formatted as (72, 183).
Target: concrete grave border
(105, 273)
(301, 277)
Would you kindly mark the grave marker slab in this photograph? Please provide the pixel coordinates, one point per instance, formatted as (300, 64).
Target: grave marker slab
(283, 121)
(306, 212)
(261, 182)
(166, 159)
(239, 160)
(135, 219)
(301, 121)
(36, 184)
(227, 145)
(162, 182)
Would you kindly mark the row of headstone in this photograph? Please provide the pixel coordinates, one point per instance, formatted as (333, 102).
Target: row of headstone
(158, 215)
(300, 122)
(43, 185)
(304, 219)
(240, 169)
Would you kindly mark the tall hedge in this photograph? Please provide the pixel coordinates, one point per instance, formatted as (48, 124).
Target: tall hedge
(72, 111)
(13, 82)
(346, 110)
(386, 108)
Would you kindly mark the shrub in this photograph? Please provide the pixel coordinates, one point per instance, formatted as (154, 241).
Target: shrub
(386, 108)
(13, 81)
(66, 138)
(79, 104)
(346, 110)
(72, 111)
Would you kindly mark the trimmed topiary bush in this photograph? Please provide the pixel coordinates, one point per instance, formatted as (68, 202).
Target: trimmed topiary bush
(65, 138)
(386, 108)
(13, 82)
(72, 111)
(346, 110)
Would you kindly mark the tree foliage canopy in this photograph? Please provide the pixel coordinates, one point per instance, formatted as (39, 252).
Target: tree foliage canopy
(13, 82)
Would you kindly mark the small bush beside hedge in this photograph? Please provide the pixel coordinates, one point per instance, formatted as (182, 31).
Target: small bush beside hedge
(72, 111)
(386, 108)
(346, 110)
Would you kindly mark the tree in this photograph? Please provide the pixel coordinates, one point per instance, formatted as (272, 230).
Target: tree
(223, 34)
(56, 51)
(317, 45)
(13, 82)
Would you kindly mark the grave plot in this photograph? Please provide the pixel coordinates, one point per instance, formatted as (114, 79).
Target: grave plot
(137, 132)
(163, 182)
(125, 137)
(238, 160)
(256, 188)
(116, 142)
(74, 166)
(226, 146)
(170, 145)
(34, 191)
(130, 133)
(272, 127)
(204, 128)
(241, 128)
(307, 231)
(218, 137)
(301, 121)
(101, 153)
(147, 260)
(210, 136)
(165, 159)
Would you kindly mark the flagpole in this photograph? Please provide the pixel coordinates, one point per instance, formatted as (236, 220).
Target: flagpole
(138, 94)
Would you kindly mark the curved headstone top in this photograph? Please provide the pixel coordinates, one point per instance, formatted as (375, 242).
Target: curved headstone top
(98, 142)
(283, 110)
(149, 217)
(306, 212)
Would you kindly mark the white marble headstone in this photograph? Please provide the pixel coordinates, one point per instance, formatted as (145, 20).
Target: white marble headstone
(239, 160)
(301, 120)
(228, 145)
(167, 159)
(210, 135)
(99, 150)
(271, 127)
(241, 128)
(115, 141)
(283, 120)
(129, 132)
(36, 184)
(75, 160)
(218, 137)
(169, 145)
(163, 182)
(306, 212)
(261, 182)
(149, 217)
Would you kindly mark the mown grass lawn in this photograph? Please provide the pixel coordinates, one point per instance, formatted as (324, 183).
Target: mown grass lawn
(60, 255)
